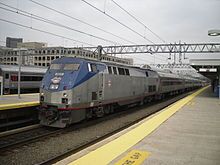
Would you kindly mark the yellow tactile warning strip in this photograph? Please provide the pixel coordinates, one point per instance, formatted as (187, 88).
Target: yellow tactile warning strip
(134, 157)
(18, 105)
(108, 152)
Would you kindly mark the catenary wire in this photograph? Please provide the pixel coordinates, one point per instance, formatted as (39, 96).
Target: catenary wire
(118, 21)
(62, 13)
(47, 21)
(145, 26)
(33, 16)
(67, 15)
(43, 31)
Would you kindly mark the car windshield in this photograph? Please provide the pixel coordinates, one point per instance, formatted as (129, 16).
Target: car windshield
(55, 66)
(72, 67)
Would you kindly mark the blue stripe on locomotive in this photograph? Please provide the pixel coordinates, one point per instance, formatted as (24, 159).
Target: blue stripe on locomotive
(70, 79)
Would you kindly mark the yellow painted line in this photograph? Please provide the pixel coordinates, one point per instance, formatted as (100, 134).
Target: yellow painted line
(18, 105)
(134, 157)
(106, 153)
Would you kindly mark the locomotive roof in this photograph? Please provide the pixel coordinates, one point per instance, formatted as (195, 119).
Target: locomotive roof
(66, 59)
(27, 69)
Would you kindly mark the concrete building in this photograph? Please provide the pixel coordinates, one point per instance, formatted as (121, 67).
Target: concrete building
(44, 56)
(12, 42)
(31, 45)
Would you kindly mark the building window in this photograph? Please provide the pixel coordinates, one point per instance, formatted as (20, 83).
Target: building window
(114, 70)
(109, 70)
(146, 74)
(43, 58)
(121, 71)
(48, 57)
(127, 72)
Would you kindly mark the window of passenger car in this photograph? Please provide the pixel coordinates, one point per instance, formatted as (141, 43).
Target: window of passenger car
(55, 66)
(72, 67)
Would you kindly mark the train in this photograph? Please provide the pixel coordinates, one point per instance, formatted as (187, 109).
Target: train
(31, 77)
(75, 89)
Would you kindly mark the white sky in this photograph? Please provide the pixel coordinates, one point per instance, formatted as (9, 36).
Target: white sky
(173, 20)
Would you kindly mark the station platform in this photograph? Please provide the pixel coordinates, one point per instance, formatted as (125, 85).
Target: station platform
(13, 102)
(186, 132)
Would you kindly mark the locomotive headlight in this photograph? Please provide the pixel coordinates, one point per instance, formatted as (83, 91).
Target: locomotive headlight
(54, 86)
(42, 94)
(65, 94)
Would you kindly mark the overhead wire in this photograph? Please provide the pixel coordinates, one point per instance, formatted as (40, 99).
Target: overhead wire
(145, 26)
(36, 17)
(117, 21)
(57, 11)
(46, 32)
(44, 20)
(81, 21)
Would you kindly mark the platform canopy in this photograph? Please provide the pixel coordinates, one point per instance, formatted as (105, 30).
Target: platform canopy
(208, 67)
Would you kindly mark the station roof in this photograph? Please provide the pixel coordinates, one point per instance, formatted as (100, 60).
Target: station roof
(210, 68)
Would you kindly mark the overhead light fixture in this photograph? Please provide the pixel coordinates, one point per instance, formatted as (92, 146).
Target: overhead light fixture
(214, 32)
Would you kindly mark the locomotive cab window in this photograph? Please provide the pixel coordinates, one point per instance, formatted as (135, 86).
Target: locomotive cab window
(72, 67)
(55, 66)
(92, 67)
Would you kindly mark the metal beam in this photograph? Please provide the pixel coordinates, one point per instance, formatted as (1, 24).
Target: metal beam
(161, 48)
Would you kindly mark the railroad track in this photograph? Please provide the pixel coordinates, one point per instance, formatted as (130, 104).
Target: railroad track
(17, 139)
(72, 151)
(12, 141)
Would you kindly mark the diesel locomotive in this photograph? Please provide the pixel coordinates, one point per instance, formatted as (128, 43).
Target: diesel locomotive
(75, 89)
